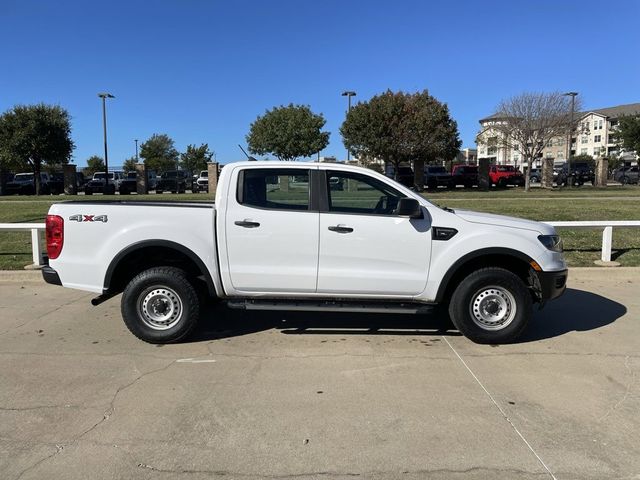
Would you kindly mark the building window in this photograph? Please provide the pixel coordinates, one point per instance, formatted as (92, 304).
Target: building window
(549, 154)
(596, 138)
(560, 155)
(583, 151)
(550, 143)
(596, 151)
(599, 124)
(516, 157)
(492, 150)
(584, 139)
(559, 142)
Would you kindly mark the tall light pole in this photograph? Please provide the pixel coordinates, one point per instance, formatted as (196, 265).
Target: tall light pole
(104, 97)
(137, 159)
(348, 94)
(573, 106)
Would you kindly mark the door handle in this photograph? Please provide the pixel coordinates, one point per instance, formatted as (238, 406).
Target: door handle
(247, 223)
(341, 229)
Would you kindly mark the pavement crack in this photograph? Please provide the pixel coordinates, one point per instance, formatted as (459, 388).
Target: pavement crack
(59, 448)
(111, 410)
(502, 412)
(626, 393)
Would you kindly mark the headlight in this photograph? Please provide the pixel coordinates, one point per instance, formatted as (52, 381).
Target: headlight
(551, 242)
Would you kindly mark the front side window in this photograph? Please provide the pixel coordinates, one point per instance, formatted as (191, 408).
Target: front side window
(274, 188)
(356, 193)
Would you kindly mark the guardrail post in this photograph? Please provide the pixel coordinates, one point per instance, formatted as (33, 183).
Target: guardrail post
(35, 247)
(607, 240)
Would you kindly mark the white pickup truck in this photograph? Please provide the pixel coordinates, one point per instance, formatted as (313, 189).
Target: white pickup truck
(305, 236)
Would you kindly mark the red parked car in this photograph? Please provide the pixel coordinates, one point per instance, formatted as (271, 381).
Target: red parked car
(466, 175)
(503, 175)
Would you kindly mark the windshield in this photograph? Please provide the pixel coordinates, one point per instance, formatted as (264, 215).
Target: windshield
(100, 176)
(169, 174)
(507, 168)
(437, 170)
(132, 175)
(24, 176)
(204, 173)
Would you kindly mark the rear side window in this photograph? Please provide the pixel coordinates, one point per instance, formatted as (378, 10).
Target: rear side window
(274, 188)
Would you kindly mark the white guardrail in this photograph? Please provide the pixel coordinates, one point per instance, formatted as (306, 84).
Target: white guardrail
(35, 236)
(607, 233)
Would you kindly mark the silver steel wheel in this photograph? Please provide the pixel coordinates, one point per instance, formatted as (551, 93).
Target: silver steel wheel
(160, 308)
(493, 308)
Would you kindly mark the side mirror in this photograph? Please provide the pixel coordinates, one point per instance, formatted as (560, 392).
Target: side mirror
(409, 207)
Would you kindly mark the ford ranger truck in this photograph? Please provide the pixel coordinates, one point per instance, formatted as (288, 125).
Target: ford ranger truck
(279, 237)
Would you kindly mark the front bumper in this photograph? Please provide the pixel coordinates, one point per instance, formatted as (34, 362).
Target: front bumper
(552, 284)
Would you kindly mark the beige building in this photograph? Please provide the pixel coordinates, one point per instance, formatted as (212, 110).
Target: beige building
(594, 136)
(468, 156)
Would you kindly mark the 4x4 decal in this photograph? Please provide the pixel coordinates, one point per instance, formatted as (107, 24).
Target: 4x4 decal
(88, 218)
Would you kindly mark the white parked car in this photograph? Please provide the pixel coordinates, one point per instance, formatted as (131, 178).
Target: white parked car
(278, 237)
(203, 181)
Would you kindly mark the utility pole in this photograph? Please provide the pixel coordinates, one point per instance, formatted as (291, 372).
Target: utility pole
(104, 97)
(137, 159)
(348, 94)
(573, 103)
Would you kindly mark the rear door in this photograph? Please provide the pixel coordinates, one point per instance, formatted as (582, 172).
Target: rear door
(365, 248)
(271, 231)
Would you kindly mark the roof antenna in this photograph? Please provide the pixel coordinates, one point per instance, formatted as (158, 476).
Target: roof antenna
(251, 159)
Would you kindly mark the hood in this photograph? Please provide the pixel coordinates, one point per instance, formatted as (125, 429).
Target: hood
(504, 221)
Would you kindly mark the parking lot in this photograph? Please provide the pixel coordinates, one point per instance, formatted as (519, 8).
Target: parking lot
(298, 395)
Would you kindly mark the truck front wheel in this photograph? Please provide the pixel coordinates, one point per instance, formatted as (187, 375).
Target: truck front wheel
(491, 305)
(160, 305)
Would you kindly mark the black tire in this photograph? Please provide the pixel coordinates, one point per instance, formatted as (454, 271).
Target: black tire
(624, 180)
(502, 183)
(174, 291)
(158, 191)
(501, 289)
(88, 191)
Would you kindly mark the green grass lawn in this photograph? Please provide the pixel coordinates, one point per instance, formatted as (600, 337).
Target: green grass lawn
(582, 247)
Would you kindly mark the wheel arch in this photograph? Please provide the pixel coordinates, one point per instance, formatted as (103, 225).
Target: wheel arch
(151, 253)
(513, 260)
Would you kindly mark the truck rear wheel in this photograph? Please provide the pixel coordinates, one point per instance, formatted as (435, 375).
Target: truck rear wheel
(491, 305)
(160, 305)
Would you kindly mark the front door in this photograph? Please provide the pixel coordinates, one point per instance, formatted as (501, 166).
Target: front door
(365, 248)
(271, 233)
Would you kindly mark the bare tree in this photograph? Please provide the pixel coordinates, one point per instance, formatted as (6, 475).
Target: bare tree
(526, 122)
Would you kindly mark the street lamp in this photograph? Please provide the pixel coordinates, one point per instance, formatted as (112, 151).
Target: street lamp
(348, 94)
(104, 97)
(573, 103)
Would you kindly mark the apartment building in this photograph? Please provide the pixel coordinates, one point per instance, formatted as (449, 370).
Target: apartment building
(595, 135)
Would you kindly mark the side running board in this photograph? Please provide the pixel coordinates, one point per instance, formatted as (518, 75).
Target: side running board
(331, 306)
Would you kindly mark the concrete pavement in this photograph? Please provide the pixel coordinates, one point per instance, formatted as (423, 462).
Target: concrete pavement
(284, 395)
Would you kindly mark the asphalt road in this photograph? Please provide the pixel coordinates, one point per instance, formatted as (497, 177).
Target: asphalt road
(333, 396)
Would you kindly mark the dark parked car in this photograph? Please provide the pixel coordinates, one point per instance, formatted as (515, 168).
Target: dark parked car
(628, 175)
(175, 181)
(535, 175)
(466, 175)
(581, 172)
(405, 175)
(437, 176)
(129, 183)
(56, 183)
(23, 184)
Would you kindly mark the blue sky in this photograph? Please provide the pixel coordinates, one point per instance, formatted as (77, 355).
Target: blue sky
(201, 71)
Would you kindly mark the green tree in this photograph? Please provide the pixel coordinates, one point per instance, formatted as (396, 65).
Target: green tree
(94, 164)
(129, 165)
(159, 153)
(400, 127)
(33, 135)
(196, 158)
(288, 133)
(628, 134)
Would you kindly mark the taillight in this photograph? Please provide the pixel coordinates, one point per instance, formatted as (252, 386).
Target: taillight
(55, 235)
